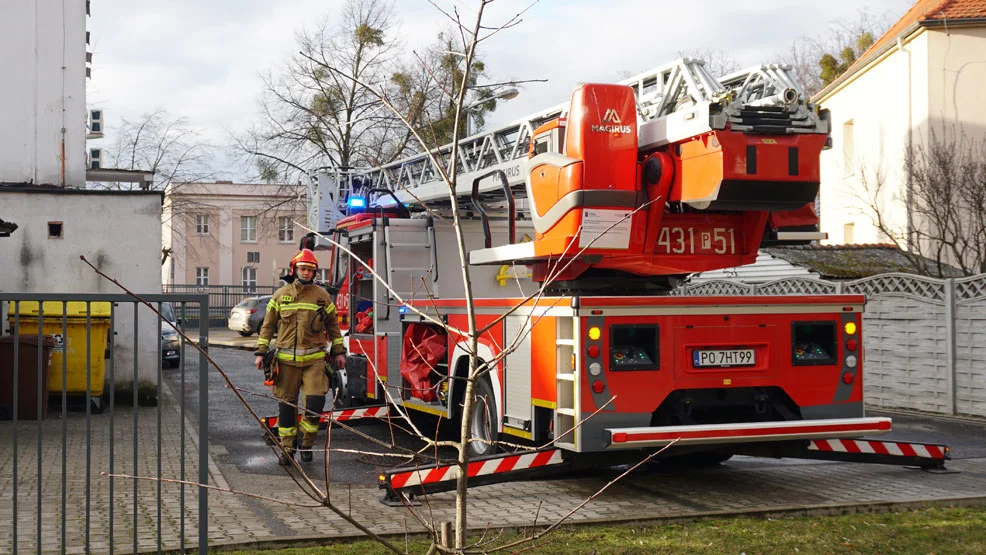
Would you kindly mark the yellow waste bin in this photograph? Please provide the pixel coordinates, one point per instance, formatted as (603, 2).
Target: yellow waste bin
(70, 343)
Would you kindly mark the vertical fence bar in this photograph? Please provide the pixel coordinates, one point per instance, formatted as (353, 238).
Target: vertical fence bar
(203, 427)
(88, 419)
(160, 401)
(17, 369)
(950, 351)
(40, 375)
(181, 410)
(135, 472)
(64, 421)
(111, 339)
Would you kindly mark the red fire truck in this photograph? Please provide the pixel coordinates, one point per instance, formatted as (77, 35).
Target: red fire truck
(580, 222)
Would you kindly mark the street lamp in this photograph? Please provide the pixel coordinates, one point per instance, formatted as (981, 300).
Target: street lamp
(505, 94)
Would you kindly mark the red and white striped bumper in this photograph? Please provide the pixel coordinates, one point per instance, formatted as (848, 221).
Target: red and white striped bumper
(893, 448)
(341, 415)
(492, 466)
(356, 414)
(659, 436)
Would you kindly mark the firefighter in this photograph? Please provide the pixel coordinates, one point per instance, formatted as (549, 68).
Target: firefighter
(305, 320)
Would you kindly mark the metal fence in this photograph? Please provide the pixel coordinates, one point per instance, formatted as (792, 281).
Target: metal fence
(93, 476)
(222, 298)
(924, 338)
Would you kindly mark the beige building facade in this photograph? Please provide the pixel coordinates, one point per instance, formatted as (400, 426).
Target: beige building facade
(924, 76)
(227, 233)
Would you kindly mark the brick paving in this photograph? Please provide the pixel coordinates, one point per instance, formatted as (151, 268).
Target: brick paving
(740, 486)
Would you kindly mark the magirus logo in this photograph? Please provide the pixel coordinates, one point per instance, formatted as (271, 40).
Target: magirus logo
(611, 116)
(615, 124)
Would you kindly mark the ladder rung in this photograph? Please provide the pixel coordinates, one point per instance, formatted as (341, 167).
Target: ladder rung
(405, 245)
(565, 342)
(409, 269)
(567, 377)
(565, 445)
(566, 412)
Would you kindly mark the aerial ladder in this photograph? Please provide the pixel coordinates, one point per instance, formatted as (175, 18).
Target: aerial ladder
(622, 191)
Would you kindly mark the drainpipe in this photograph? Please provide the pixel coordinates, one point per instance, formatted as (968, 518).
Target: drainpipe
(64, 40)
(910, 145)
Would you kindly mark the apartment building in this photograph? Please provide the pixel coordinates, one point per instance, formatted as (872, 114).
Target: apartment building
(226, 233)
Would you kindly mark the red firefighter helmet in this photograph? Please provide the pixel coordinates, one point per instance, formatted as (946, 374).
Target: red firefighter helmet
(304, 257)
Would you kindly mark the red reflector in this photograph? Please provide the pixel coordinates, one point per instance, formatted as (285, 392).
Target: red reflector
(619, 437)
(847, 309)
(598, 386)
(847, 378)
(593, 351)
(851, 344)
(595, 312)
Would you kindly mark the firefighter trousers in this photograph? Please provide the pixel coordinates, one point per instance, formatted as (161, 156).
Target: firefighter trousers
(307, 378)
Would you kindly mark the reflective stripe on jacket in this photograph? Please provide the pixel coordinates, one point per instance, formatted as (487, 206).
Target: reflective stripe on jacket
(305, 319)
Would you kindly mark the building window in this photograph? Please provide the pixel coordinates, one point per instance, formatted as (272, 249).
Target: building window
(249, 277)
(323, 275)
(202, 224)
(847, 234)
(201, 276)
(253, 257)
(848, 149)
(248, 229)
(285, 230)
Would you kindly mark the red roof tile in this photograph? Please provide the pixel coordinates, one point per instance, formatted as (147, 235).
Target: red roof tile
(922, 11)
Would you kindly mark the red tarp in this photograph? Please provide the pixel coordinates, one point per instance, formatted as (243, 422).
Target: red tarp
(423, 347)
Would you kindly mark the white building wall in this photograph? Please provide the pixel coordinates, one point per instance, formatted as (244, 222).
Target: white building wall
(43, 92)
(120, 233)
(872, 117)
(957, 76)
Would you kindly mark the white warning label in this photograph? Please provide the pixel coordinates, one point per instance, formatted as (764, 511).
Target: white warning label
(605, 229)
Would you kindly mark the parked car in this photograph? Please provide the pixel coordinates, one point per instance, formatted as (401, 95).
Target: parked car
(170, 340)
(247, 317)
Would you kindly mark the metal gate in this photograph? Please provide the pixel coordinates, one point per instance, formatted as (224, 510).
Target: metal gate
(114, 467)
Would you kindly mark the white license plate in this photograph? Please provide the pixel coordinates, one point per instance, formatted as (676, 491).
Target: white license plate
(724, 357)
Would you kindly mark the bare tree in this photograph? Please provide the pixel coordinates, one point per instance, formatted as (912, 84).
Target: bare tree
(944, 193)
(312, 112)
(821, 59)
(163, 144)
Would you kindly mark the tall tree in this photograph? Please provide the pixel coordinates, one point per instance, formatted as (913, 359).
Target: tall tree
(312, 112)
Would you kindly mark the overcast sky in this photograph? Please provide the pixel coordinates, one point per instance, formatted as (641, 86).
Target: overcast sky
(200, 59)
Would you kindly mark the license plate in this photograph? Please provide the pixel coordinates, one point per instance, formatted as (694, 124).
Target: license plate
(724, 357)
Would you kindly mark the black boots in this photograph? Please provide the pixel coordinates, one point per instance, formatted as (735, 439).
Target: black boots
(306, 454)
(285, 459)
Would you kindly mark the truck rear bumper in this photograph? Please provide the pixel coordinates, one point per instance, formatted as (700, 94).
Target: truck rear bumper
(712, 434)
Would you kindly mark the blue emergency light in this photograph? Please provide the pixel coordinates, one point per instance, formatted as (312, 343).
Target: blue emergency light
(357, 202)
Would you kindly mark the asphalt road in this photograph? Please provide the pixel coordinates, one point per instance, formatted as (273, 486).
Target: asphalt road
(236, 439)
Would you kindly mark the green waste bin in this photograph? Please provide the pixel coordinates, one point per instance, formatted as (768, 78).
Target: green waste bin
(28, 376)
(69, 343)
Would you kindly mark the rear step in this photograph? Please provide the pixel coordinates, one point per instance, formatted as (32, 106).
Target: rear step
(342, 415)
(402, 484)
(710, 434)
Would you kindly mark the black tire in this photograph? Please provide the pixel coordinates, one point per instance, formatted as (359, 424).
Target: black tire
(483, 421)
(247, 333)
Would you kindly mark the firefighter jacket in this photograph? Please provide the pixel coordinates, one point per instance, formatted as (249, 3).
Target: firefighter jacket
(305, 320)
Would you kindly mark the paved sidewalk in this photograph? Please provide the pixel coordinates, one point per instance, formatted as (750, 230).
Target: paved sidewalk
(740, 486)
